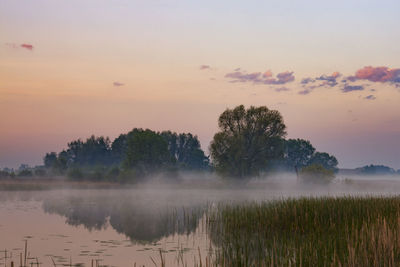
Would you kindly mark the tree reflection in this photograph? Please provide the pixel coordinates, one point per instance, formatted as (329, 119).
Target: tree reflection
(139, 219)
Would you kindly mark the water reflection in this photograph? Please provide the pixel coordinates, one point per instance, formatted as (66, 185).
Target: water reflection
(141, 219)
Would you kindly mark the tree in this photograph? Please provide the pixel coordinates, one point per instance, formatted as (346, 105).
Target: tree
(118, 149)
(50, 160)
(376, 170)
(327, 161)
(298, 153)
(186, 150)
(247, 140)
(316, 173)
(146, 151)
(94, 151)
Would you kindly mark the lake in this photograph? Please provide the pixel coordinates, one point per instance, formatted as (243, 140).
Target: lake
(142, 225)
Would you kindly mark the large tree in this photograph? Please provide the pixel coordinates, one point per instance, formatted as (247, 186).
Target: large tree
(329, 162)
(146, 151)
(186, 150)
(247, 140)
(298, 153)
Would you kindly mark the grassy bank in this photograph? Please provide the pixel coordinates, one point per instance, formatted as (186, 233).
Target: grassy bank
(347, 231)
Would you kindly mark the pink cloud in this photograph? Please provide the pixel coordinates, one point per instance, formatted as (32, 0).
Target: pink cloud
(267, 74)
(258, 78)
(377, 74)
(118, 84)
(205, 67)
(16, 46)
(27, 46)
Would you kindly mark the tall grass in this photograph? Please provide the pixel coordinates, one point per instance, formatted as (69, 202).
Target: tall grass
(346, 231)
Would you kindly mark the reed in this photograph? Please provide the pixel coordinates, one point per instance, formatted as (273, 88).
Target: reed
(345, 231)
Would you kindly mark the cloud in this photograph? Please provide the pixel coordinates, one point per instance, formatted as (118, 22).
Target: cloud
(309, 84)
(370, 97)
(377, 74)
(267, 74)
(118, 84)
(260, 78)
(329, 80)
(27, 46)
(282, 89)
(16, 46)
(205, 67)
(304, 92)
(349, 88)
(307, 80)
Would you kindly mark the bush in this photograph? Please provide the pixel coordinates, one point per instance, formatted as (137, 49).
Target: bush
(4, 174)
(25, 173)
(75, 174)
(316, 173)
(113, 174)
(40, 172)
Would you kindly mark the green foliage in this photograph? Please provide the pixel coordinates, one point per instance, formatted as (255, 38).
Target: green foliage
(146, 151)
(75, 174)
(113, 174)
(94, 151)
(4, 174)
(298, 153)
(316, 173)
(25, 173)
(247, 141)
(40, 172)
(186, 150)
(327, 161)
(118, 149)
(50, 160)
(376, 170)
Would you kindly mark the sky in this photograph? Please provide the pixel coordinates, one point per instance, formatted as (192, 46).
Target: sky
(70, 69)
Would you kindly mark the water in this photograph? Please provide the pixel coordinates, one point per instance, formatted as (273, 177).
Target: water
(121, 227)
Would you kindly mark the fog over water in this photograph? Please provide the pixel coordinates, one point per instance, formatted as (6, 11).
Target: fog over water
(134, 223)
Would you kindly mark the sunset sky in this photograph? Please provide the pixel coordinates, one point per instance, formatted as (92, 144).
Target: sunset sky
(69, 69)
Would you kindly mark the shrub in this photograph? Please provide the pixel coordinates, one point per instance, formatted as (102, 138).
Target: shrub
(40, 172)
(4, 174)
(316, 173)
(75, 174)
(25, 173)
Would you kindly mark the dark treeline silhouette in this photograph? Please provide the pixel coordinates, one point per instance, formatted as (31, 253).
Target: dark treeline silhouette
(376, 170)
(135, 154)
(250, 142)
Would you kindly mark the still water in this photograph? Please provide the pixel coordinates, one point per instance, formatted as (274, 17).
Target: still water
(124, 227)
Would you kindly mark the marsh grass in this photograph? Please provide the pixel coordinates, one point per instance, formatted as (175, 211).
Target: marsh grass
(345, 231)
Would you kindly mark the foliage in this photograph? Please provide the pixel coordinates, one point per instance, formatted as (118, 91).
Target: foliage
(375, 170)
(186, 150)
(50, 160)
(4, 174)
(39, 172)
(247, 140)
(316, 173)
(327, 161)
(75, 174)
(298, 153)
(94, 151)
(146, 151)
(25, 173)
(118, 149)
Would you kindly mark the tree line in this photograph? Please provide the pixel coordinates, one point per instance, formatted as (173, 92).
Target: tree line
(250, 142)
(137, 153)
